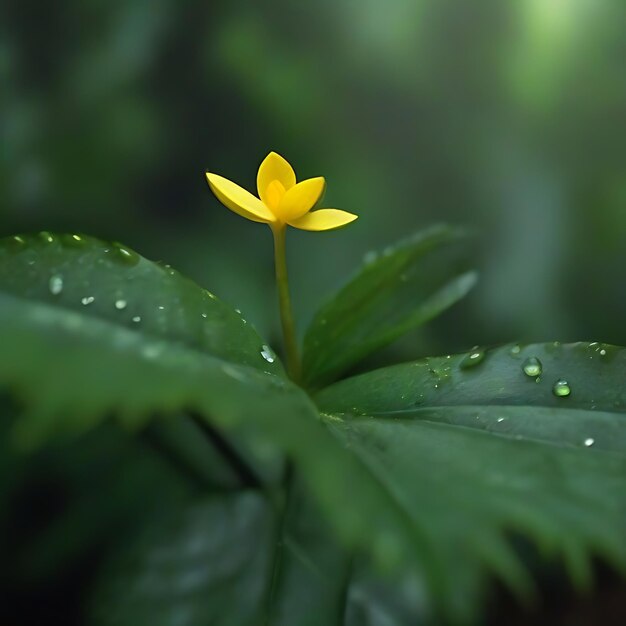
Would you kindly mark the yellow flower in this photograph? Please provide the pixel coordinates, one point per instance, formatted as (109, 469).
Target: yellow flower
(281, 200)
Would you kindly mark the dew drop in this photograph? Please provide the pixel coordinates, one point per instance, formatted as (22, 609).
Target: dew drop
(120, 305)
(73, 241)
(46, 237)
(589, 441)
(500, 419)
(55, 284)
(516, 349)
(125, 255)
(87, 300)
(17, 242)
(204, 315)
(472, 359)
(267, 354)
(137, 319)
(161, 307)
(532, 367)
(561, 389)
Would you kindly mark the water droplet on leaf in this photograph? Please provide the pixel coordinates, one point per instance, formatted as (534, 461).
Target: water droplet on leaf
(46, 237)
(55, 284)
(87, 300)
(17, 242)
(125, 255)
(73, 241)
(561, 389)
(532, 367)
(267, 354)
(589, 441)
(120, 305)
(472, 359)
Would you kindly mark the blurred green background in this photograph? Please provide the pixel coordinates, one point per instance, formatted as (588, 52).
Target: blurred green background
(507, 117)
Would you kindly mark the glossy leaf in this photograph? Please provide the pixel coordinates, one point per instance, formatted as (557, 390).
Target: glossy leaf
(393, 293)
(71, 366)
(477, 451)
(90, 279)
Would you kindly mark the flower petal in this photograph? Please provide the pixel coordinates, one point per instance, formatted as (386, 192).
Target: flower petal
(301, 198)
(239, 200)
(274, 167)
(324, 219)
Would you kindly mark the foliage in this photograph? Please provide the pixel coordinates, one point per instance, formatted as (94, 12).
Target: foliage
(388, 497)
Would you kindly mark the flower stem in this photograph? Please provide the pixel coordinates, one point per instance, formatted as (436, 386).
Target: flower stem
(284, 302)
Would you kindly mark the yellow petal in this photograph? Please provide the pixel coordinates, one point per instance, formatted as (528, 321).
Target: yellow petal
(239, 200)
(324, 219)
(274, 167)
(300, 199)
(274, 194)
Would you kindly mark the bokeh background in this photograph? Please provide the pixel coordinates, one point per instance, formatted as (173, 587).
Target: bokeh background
(505, 117)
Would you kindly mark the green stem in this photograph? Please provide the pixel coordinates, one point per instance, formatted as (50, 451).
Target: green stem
(284, 302)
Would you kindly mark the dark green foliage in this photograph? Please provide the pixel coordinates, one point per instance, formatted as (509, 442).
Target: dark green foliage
(395, 291)
(389, 497)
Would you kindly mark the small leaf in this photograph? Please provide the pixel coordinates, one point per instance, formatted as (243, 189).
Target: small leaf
(393, 293)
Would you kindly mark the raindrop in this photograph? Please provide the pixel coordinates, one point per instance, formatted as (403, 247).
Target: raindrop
(137, 319)
(516, 349)
(589, 441)
(472, 359)
(120, 305)
(125, 255)
(161, 307)
(267, 354)
(73, 241)
(46, 237)
(204, 315)
(55, 284)
(603, 352)
(532, 367)
(17, 242)
(500, 419)
(87, 300)
(561, 389)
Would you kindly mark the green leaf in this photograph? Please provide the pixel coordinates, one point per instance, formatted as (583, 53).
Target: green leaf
(393, 293)
(210, 565)
(89, 279)
(72, 365)
(474, 448)
(235, 560)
